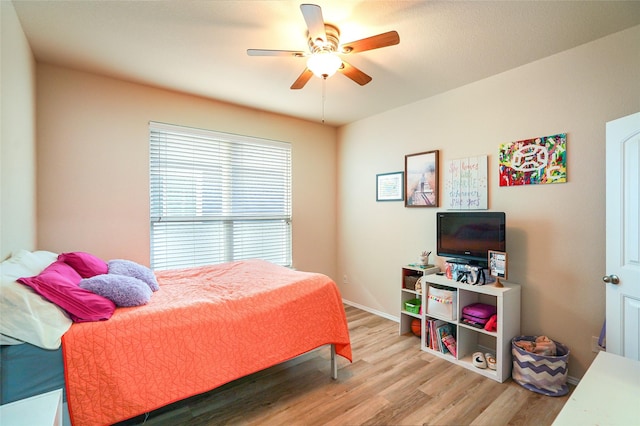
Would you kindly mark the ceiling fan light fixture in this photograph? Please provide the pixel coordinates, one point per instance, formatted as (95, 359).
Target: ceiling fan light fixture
(324, 47)
(324, 63)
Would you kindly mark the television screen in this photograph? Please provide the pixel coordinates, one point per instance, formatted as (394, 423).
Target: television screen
(470, 235)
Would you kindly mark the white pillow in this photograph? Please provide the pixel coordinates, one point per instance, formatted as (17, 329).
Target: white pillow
(27, 316)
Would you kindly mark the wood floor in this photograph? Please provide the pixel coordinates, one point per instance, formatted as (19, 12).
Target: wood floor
(390, 382)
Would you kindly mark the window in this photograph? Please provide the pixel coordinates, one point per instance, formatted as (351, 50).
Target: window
(217, 197)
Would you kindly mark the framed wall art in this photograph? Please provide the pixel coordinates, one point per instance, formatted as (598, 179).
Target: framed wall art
(465, 184)
(389, 186)
(421, 179)
(536, 161)
(498, 266)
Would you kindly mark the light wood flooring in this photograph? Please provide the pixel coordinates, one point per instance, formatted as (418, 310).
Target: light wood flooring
(390, 382)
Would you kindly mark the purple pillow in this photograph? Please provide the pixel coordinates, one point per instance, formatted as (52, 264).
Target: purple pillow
(58, 283)
(135, 270)
(120, 289)
(85, 264)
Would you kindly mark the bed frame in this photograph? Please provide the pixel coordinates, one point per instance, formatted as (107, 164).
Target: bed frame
(27, 370)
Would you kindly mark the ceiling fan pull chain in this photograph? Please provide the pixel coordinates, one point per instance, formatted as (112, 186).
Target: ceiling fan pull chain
(324, 95)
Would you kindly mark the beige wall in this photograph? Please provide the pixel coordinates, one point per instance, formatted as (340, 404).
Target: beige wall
(555, 233)
(17, 136)
(93, 167)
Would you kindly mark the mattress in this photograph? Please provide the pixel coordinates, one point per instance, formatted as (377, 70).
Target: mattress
(27, 370)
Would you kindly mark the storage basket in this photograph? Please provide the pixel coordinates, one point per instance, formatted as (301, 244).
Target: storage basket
(442, 302)
(410, 281)
(413, 306)
(542, 374)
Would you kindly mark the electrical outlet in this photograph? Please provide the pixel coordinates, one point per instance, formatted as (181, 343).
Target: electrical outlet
(595, 347)
(345, 279)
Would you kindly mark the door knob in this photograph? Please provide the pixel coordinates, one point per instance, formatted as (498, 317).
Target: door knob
(613, 279)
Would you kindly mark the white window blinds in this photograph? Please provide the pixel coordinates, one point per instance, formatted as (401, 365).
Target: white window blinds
(217, 197)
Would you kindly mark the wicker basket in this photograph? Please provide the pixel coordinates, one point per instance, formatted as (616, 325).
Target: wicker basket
(410, 281)
(546, 375)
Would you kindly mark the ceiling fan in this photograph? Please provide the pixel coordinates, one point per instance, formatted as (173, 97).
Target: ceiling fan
(324, 48)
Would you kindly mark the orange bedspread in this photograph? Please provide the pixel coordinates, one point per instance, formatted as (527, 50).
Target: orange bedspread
(205, 327)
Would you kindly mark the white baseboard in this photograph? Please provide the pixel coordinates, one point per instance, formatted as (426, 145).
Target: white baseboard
(573, 380)
(570, 379)
(372, 311)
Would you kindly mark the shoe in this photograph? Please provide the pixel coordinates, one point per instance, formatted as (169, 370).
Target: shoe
(491, 361)
(479, 360)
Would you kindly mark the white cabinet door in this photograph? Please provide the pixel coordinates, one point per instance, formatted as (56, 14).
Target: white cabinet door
(623, 236)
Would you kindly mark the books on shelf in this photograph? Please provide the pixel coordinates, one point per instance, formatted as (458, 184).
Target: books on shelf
(440, 336)
(433, 339)
(444, 331)
(427, 269)
(450, 343)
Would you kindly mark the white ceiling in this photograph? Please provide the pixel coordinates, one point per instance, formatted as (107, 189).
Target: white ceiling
(199, 47)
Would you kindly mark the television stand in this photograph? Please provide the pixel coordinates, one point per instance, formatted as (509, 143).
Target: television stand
(468, 338)
(476, 263)
(458, 261)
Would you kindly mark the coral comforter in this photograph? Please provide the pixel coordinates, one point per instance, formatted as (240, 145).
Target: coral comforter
(205, 327)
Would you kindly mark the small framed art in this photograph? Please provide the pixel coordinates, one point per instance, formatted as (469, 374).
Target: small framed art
(421, 179)
(389, 186)
(498, 266)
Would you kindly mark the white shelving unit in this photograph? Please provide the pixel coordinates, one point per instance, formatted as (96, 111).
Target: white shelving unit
(408, 294)
(470, 339)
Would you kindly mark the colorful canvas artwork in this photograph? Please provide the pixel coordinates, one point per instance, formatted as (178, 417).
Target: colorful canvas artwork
(534, 161)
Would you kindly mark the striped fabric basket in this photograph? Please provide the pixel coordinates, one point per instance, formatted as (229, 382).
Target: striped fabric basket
(546, 375)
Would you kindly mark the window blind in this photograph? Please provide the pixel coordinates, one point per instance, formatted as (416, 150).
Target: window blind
(217, 197)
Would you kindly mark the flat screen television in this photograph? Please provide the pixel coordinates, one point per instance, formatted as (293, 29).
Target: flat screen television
(468, 236)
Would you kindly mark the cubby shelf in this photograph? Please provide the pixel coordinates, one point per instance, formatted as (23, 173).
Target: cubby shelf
(469, 339)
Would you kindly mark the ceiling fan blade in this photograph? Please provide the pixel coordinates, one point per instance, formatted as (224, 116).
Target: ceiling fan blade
(315, 23)
(354, 73)
(374, 42)
(302, 79)
(267, 52)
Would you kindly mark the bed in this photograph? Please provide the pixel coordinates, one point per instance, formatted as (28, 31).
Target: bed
(205, 327)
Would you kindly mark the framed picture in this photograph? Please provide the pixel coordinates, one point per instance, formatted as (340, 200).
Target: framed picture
(389, 186)
(421, 179)
(498, 266)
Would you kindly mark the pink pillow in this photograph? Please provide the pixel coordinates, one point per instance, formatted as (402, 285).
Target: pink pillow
(87, 265)
(58, 283)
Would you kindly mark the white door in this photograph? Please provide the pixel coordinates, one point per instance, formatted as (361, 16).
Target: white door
(622, 277)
